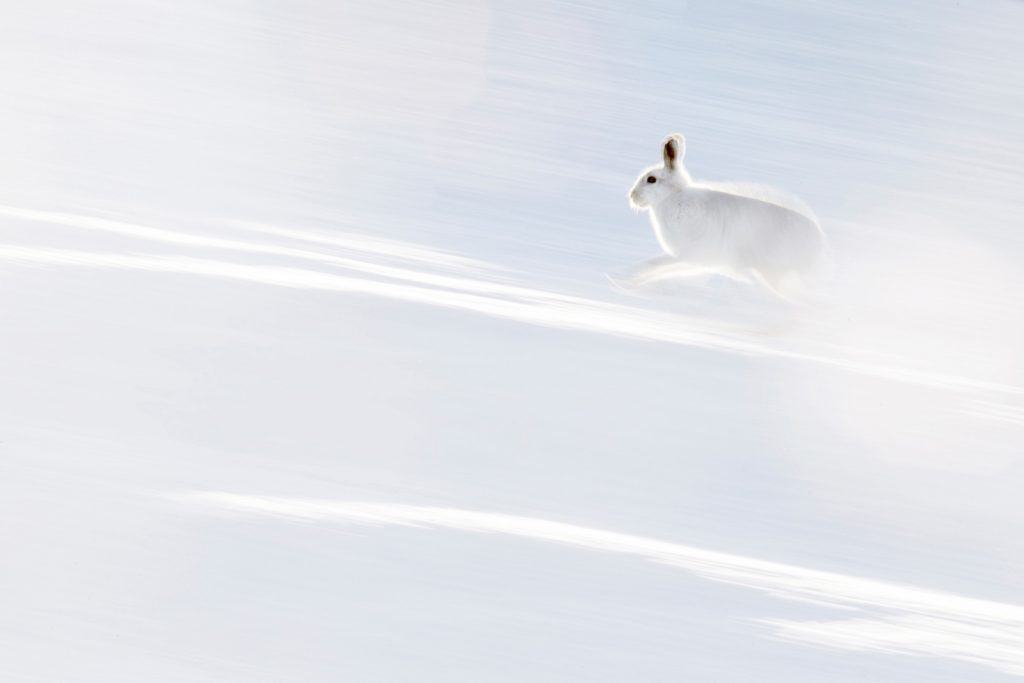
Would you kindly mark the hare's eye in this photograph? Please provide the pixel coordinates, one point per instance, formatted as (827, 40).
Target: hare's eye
(651, 179)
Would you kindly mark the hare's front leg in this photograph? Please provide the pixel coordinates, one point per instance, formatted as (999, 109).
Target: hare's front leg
(657, 269)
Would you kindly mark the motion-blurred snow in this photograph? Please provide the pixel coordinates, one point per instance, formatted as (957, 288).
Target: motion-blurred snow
(311, 252)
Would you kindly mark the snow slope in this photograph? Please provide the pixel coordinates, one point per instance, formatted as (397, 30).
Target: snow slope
(311, 372)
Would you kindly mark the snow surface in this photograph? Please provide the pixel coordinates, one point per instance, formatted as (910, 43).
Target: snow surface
(311, 372)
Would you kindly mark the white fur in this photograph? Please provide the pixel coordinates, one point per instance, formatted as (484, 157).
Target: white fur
(745, 232)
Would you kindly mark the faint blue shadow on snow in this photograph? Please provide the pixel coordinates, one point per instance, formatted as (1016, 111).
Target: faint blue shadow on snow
(877, 616)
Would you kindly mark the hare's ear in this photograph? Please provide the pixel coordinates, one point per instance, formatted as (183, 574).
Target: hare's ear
(675, 147)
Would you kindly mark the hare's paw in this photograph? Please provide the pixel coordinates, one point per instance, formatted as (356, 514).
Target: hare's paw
(626, 284)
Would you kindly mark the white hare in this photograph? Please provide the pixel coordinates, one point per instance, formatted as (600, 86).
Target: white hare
(743, 232)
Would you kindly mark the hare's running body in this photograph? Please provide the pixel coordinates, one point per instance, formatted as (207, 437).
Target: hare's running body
(743, 233)
(735, 234)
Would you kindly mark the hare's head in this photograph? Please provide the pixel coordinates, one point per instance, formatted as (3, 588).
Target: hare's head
(658, 182)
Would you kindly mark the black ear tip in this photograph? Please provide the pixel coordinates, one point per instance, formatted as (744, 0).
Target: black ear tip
(670, 148)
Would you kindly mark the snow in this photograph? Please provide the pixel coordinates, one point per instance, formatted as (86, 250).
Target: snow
(311, 370)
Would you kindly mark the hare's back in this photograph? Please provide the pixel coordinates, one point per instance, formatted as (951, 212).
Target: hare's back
(760, 216)
(767, 236)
